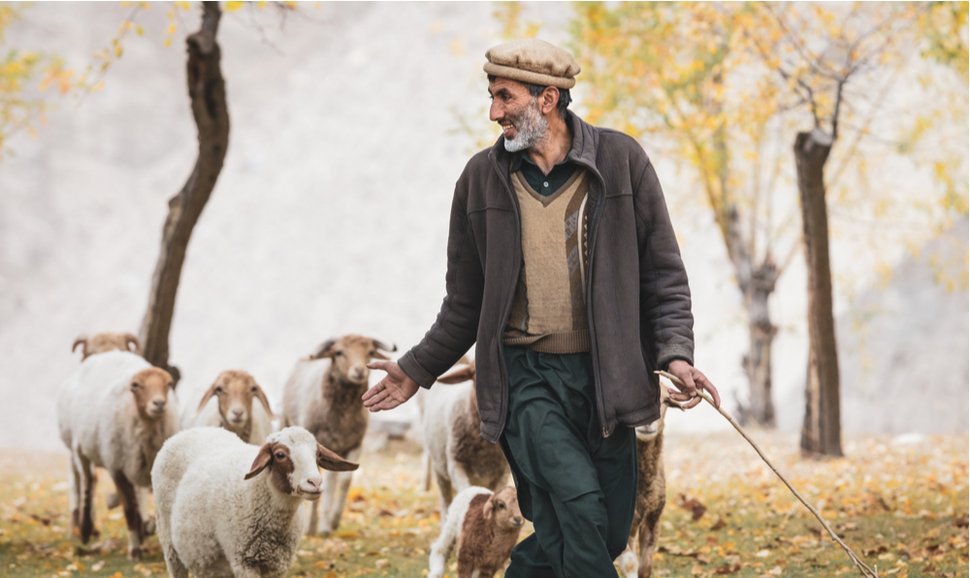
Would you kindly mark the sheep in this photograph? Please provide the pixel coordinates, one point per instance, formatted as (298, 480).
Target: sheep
(115, 412)
(458, 456)
(486, 526)
(651, 495)
(323, 394)
(233, 409)
(220, 514)
(101, 342)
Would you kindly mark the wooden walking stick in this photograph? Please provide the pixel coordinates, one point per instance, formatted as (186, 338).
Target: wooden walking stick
(863, 568)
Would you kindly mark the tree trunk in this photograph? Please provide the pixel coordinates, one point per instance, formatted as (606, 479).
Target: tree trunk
(208, 100)
(822, 431)
(757, 362)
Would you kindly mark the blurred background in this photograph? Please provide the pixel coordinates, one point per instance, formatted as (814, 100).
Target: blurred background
(350, 124)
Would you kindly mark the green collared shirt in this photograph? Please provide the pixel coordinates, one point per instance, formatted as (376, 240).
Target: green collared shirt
(545, 185)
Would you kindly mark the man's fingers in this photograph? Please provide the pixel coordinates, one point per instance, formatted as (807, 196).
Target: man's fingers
(693, 401)
(679, 395)
(378, 364)
(707, 385)
(372, 392)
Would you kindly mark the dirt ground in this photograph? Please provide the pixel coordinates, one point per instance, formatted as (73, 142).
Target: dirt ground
(901, 506)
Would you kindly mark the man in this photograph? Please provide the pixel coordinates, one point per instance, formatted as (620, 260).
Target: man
(564, 269)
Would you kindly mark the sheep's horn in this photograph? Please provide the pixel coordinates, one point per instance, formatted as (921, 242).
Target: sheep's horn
(322, 350)
(82, 339)
(381, 345)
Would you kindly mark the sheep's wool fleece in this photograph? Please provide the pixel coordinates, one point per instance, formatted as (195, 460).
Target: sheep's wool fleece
(89, 407)
(450, 530)
(211, 515)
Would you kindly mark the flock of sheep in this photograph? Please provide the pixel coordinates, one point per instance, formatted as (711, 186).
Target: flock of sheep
(228, 498)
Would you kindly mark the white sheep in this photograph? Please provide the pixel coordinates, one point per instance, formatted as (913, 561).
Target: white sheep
(486, 527)
(457, 455)
(101, 342)
(115, 412)
(227, 508)
(323, 394)
(232, 408)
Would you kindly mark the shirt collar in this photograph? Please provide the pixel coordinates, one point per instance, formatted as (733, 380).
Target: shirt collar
(519, 156)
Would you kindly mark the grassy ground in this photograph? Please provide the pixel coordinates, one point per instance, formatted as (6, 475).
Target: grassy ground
(903, 508)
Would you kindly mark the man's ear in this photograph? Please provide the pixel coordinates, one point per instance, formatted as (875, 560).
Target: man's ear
(263, 458)
(549, 99)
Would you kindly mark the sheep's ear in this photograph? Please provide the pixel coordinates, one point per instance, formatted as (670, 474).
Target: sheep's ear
(665, 399)
(132, 340)
(489, 507)
(263, 400)
(325, 349)
(328, 460)
(263, 458)
(459, 375)
(208, 395)
(81, 340)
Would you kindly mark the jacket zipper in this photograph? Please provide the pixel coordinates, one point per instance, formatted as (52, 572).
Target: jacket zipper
(594, 358)
(503, 406)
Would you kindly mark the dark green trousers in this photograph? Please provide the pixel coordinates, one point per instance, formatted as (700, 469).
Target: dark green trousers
(576, 487)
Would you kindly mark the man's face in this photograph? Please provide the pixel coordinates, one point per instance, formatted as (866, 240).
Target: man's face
(517, 112)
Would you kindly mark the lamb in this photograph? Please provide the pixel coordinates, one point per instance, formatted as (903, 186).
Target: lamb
(451, 426)
(233, 408)
(115, 412)
(651, 495)
(323, 394)
(101, 342)
(227, 508)
(486, 526)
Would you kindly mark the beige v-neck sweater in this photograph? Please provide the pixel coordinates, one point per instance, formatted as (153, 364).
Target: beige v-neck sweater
(549, 309)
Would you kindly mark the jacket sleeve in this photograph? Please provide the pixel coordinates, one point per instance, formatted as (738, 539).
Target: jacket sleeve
(664, 293)
(456, 328)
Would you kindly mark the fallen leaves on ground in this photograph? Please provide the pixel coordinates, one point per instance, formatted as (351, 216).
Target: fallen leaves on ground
(903, 509)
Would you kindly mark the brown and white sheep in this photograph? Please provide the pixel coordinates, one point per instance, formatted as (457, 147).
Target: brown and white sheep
(115, 412)
(233, 409)
(651, 495)
(323, 395)
(457, 455)
(101, 342)
(485, 525)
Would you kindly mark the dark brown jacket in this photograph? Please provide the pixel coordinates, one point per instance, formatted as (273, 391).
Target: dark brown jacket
(636, 287)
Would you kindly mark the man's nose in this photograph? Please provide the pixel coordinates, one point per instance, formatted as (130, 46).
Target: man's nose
(494, 112)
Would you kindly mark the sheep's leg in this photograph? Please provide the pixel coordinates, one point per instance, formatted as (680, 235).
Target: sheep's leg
(445, 494)
(176, 568)
(649, 535)
(86, 494)
(426, 468)
(459, 478)
(240, 570)
(329, 487)
(440, 552)
(75, 475)
(343, 481)
(628, 560)
(129, 501)
(148, 521)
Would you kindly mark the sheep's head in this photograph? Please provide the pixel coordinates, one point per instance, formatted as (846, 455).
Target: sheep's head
(649, 432)
(459, 375)
(150, 388)
(102, 342)
(236, 391)
(350, 355)
(293, 456)
(503, 509)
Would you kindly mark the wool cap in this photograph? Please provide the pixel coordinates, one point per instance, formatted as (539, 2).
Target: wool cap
(534, 61)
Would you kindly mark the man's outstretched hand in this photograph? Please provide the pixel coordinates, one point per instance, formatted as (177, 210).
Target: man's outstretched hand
(693, 379)
(391, 391)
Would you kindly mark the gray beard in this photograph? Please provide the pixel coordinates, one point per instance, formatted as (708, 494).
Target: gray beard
(530, 127)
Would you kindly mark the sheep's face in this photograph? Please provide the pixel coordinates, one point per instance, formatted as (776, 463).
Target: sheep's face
(503, 509)
(350, 355)
(649, 432)
(235, 391)
(150, 388)
(106, 342)
(293, 458)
